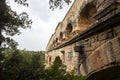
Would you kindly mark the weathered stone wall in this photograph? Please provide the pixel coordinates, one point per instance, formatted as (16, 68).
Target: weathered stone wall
(101, 49)
(88, 39)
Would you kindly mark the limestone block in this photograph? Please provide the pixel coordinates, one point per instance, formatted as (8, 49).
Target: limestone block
(97, 59)
(95, 45)
(88, 53)
(117, 31)
(102, 36)
(82, 70)
(88, 47)
(116, 48)
(109, 52)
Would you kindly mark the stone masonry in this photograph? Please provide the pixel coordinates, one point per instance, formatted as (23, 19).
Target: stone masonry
(88, 40)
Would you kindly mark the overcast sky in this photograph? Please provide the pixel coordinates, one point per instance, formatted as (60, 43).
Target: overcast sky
(44, 24)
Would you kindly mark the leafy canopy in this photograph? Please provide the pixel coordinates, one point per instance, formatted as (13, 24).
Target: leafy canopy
(11, 23)
(22, 65)
(58, 3)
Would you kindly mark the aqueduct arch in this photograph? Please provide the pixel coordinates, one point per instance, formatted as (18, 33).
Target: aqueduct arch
(58, 60)
(61, 36)
(97, 48)
(68, 30)
(86, 16)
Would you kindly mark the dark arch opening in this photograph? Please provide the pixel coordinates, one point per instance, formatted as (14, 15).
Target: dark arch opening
(61, 35)
(69, 29)
(50, 60)
(88, 11)
(58, 61)
(111, 72)
(86, 16)
(56, 40)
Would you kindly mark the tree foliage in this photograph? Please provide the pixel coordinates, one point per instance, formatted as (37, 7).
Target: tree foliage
(11, 22)
(58, 72)
(29, 65)
(22, 2)
(22, 65)
(58, 3)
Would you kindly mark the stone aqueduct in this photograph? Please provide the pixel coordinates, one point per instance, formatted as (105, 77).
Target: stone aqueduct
(88, 40)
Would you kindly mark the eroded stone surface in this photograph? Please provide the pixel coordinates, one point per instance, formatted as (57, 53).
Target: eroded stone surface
(88, 39)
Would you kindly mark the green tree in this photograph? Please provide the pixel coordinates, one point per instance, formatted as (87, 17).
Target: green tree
(58, 3)
(58, 72)
(11, 22)
(22, 65)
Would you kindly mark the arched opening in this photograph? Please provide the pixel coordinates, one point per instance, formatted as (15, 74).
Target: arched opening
(58, 61)
(111, 72)
(88, 11)
(86, 16)
(61, 35)
(56, 40)
(50, 60)
(69, 29)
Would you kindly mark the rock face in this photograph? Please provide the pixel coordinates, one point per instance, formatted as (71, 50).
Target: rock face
(88, 40)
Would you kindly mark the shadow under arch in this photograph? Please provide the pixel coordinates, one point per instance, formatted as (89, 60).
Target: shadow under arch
(86, 16)
(50, 59)
(68, 30)
(110, 73)
(56, 40)
(58, 60)
(61, 36)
